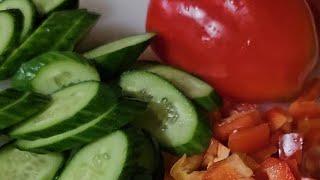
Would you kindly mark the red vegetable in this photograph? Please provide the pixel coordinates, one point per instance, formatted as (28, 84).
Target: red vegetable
(250, 140)
(277, 170)
(236, 121)
(248, 50)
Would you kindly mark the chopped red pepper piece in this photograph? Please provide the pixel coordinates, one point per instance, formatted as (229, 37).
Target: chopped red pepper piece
(250, 140)
(235, 122)
(277, 169)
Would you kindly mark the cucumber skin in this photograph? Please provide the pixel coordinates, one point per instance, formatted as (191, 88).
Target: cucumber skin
(23, 37)
(15, 40)
(136, 138)
(210, 103)
(201, 137)
(112, 64)
(32, 104)
(197, 145)
(28, 71)
(214, 103)
(124, 113)
(42, 40)
(68, 4)
(105, 98)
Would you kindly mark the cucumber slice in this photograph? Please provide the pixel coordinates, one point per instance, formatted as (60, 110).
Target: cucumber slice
(47, 6)
(170, 113)
(10, 31)
(16, 106)
(21, 165)
(28, 10)
(51, 71)
(115, 57)
(60, 32)
(113, 157)
(150, 162)
(72, 106)
(117, 116)
(194, 88)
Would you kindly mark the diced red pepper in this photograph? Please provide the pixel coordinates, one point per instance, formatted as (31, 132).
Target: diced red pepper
(307, 105)
(277, 169)
(311, 162)
(277, 118)
(265, 153)
(293, 164)
(250, 140)
(232, 168)
(235, 122)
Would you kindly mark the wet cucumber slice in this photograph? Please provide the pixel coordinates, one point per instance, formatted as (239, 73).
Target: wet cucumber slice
(169, 113)
(60, 32)
(71, 107)
(194, 88)
(16, 106)
(10, 31)
(52, 71)
(118, 115)
(113, 157)
(47, 6)
(21, 165)
(116, 57)
(29, 14)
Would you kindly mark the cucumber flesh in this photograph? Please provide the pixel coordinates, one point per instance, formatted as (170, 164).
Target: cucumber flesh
(59, 32)
(52, 71)
(114, 157)
(16, 106)
(115, 57)
(169, 113)
(194, 88)
(72, 106)
(10, 31)
(28, 10)
(117, 116)
(17, 165)
(47, 6)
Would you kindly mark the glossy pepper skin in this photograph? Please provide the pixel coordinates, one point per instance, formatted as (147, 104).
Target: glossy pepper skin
(261, 50)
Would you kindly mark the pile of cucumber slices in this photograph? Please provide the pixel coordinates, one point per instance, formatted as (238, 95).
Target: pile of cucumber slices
(97, 115)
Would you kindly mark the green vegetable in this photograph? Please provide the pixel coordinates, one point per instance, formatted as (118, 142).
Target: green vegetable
(52, 71)
(60, 32)
(113, 58)
(21, 165)
(169, 113)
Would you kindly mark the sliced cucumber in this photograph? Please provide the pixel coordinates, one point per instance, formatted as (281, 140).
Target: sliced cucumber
(117, 56)
(120, 114)
(71, 107)
(51, 71)
(10, 31)
(113, 157)
(47, 6)
(169, 113)
(149, 164)
(60, 32)
(16, 106)
(21, 165)
(28, 10)
(194, 88)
